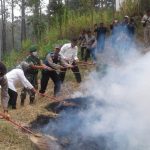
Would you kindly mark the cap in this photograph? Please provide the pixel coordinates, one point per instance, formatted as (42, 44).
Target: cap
(126, 16)
(57, 46)
(33, 48)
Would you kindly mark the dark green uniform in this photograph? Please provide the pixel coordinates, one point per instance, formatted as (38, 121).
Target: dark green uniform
(32, 75)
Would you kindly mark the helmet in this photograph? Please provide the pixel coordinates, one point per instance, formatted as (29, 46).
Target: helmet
(33, 48)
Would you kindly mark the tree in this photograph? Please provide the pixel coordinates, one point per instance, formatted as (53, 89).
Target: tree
(57, 9)
(37, 19)
(23, 21)
(3, 14)
(145, 4)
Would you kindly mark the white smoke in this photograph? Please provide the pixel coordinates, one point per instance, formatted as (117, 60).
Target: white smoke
(118, 106)
(125, 90)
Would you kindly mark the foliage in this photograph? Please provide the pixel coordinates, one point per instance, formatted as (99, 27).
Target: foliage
(130, 7)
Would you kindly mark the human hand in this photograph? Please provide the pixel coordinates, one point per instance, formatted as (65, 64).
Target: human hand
(62, 67)
(69, 66)
(5, 115)
(33, 90)
(49, 68)
(77, 60)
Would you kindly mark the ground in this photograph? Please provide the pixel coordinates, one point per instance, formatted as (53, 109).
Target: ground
(13, 139)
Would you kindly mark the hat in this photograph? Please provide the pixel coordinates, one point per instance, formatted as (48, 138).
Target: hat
(57, 46)
(33, 48)
(126, 16)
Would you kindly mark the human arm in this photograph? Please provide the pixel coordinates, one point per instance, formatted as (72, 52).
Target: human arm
(24, 80)
(51, 63)
(63, 51)
(145, 19)
(4, 94)
(75, 54)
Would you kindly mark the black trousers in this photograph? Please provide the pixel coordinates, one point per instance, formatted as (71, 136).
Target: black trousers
(75, 70)
(33, 79)
(83, 49)
(12, 98)
(55, 78)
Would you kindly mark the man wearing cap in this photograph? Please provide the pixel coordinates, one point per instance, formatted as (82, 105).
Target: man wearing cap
(16, 78)
(4, 89)
(69, 53)
(146, 24)
(32, 73)
(56, 62)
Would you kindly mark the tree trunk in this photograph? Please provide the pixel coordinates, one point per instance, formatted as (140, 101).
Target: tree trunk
(3, 13)
(36, 19)
(23, 22)
(49, 15)
(12, 26)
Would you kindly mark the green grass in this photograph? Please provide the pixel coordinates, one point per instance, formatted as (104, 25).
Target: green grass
(12, 139)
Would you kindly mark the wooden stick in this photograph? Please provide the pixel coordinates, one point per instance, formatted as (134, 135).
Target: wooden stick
(16, 124)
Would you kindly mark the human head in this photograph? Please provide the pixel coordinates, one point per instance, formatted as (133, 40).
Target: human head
(101, 24)
(126, 19)
(24, 66)
(95, 25)
(83, 31)
(132, 20)
(148, 12)
(3, 69)
(33, 50)
(74, 42)
(57, 48)
(89, 33)
(115, 22)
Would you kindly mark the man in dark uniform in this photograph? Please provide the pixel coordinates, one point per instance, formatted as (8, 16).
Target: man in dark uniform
(101, 35)
(32, 73)
(55, 61)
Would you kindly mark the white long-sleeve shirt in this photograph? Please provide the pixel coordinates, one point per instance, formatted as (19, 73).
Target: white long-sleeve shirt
(17, 78)
(68, 52)
(146, 19)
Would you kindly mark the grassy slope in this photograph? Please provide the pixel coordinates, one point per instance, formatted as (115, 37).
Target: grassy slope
(11, 138)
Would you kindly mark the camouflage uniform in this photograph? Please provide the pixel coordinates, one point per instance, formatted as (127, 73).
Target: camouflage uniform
(32, 75)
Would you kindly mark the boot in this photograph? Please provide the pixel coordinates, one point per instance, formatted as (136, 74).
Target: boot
(32, 100)
(22, 102)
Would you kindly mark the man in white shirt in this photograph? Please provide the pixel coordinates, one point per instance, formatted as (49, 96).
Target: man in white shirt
(69, 53)
(17, 78)
(146, 24)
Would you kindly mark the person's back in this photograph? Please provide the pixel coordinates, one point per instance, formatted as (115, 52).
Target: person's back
(131, 27)
(32, 60)
(101, 31)
(16, 78)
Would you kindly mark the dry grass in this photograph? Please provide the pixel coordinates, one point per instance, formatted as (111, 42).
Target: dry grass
(10, 137)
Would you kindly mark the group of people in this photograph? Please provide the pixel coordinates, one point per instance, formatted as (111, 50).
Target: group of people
(25, 74)
(60, 59)
(93, 43)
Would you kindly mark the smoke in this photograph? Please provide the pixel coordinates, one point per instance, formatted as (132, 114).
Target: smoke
(114, 114)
